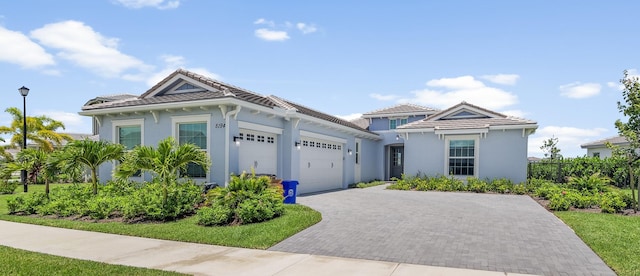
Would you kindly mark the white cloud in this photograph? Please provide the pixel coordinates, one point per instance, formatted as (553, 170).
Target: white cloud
(506, 79)
(514, 113)
(87, 48)
(262, 21)
(569, 139)
(350, 116)
(17, 48)
(464, 88)
(615, 85)
(381, 97)
(73, 122)
(271, 35)
(172, 63)
(306, 28)
(158, 4)
(577, 90)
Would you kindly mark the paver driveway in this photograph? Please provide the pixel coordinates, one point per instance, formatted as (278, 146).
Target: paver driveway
(464, 230)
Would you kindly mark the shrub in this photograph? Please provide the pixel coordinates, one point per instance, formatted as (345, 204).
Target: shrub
(534, 183)
(250, 199)
(501, 185)
(589, 183)
(582, 200)
(405, 183)
(102, 207)
(28, 204)
(214, 215)
(611, 202)
(559, 202)
(7, 187)
(519, 189)
(547, 190)
(477, 185)
(147, 202)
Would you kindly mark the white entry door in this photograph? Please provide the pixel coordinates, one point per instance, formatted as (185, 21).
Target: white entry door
(258, 151)
(320, 165)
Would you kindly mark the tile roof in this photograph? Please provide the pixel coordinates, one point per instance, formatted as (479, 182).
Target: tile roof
(224, 90)
(616, 140)
(406, 108)
(146, 99)
(361, 122)
(497, 119)
(317, 114)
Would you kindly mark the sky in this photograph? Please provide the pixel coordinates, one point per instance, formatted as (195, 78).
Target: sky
(558, 63)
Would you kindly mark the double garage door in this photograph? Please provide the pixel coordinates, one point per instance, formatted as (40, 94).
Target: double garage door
(320, 165)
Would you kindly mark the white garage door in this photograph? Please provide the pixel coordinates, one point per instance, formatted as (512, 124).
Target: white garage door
(320, 165)
(258, 150)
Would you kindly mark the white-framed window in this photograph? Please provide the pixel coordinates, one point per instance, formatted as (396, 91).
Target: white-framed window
(596, 154)
(129, 133)
(193, 129)
(396, 122)
(462, 155)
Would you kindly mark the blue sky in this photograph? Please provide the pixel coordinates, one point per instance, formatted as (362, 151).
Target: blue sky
(556, 62)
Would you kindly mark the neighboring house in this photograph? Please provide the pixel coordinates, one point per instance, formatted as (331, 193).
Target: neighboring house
(242, 131)
(599, 148)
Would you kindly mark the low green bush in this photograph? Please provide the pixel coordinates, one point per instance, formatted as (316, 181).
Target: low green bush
(362, 185)
(7, 187)
(611, 202)
(250, 199)
(476, 185)
(589, 183)
(559, 202)
(547, 190)
(501, 185)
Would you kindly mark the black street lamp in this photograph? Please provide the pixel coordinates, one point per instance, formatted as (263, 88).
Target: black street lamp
(24, 92)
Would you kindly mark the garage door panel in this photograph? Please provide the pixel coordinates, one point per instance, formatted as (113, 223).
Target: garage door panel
(320, 165)
(258, 150)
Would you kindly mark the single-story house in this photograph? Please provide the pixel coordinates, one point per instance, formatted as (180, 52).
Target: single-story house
(242, 131)
(599, 148)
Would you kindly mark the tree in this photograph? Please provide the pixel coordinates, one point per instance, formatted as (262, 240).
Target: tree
(630, 129)
(165, 162)
(40, 129)
(90, 154)
(550, 148)
(31, 160)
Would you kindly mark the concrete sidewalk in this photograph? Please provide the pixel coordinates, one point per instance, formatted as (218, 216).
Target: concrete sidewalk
(200, 259)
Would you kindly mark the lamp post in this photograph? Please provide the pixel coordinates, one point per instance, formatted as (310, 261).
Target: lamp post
(24, 92)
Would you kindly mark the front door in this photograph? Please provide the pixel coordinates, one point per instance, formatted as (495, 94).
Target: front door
(396, 162)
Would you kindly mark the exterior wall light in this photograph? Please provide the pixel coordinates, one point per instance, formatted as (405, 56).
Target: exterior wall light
(349, 151)
(236, 140)
(297, 144)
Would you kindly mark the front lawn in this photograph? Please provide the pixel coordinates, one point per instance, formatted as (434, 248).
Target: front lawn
(257, 235)
(22, 262)
(615, 238)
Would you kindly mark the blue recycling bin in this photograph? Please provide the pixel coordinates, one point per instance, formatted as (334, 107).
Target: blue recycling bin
(289, 187)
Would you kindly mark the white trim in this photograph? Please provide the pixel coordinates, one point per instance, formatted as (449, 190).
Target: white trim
(252, 126)
(476, 153)
(461, 131)
(185, 79)
(175, 120)
(461, 107)
(131, 122)
(525, 126)
(322, 136)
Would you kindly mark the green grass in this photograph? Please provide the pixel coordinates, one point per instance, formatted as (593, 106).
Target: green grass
(258, 235)
(615, 238)
(21, 262)
(370, 184)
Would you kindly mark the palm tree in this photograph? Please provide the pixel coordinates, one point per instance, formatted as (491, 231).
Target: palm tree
(91, 154)
(40, 129)
(165, 162)
(31, 160)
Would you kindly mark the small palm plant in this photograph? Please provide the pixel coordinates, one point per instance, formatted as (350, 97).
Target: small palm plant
(165, 161)
(90, 154)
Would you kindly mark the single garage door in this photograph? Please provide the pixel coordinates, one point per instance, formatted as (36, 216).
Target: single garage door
(320, 165)
(258, 150)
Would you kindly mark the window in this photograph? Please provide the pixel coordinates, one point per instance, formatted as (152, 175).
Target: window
(461, 156)
(193, 129)
(393, 123)
(596, 154)
(357, 152)
(129, 134)
(270, 140)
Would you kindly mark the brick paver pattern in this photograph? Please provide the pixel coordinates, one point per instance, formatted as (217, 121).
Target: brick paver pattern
(509, 233)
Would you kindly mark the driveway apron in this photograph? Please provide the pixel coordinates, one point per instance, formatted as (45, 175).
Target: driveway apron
(507, 233)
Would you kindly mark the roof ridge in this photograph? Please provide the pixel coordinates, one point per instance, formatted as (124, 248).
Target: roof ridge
(426, 108)
(282, 102)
